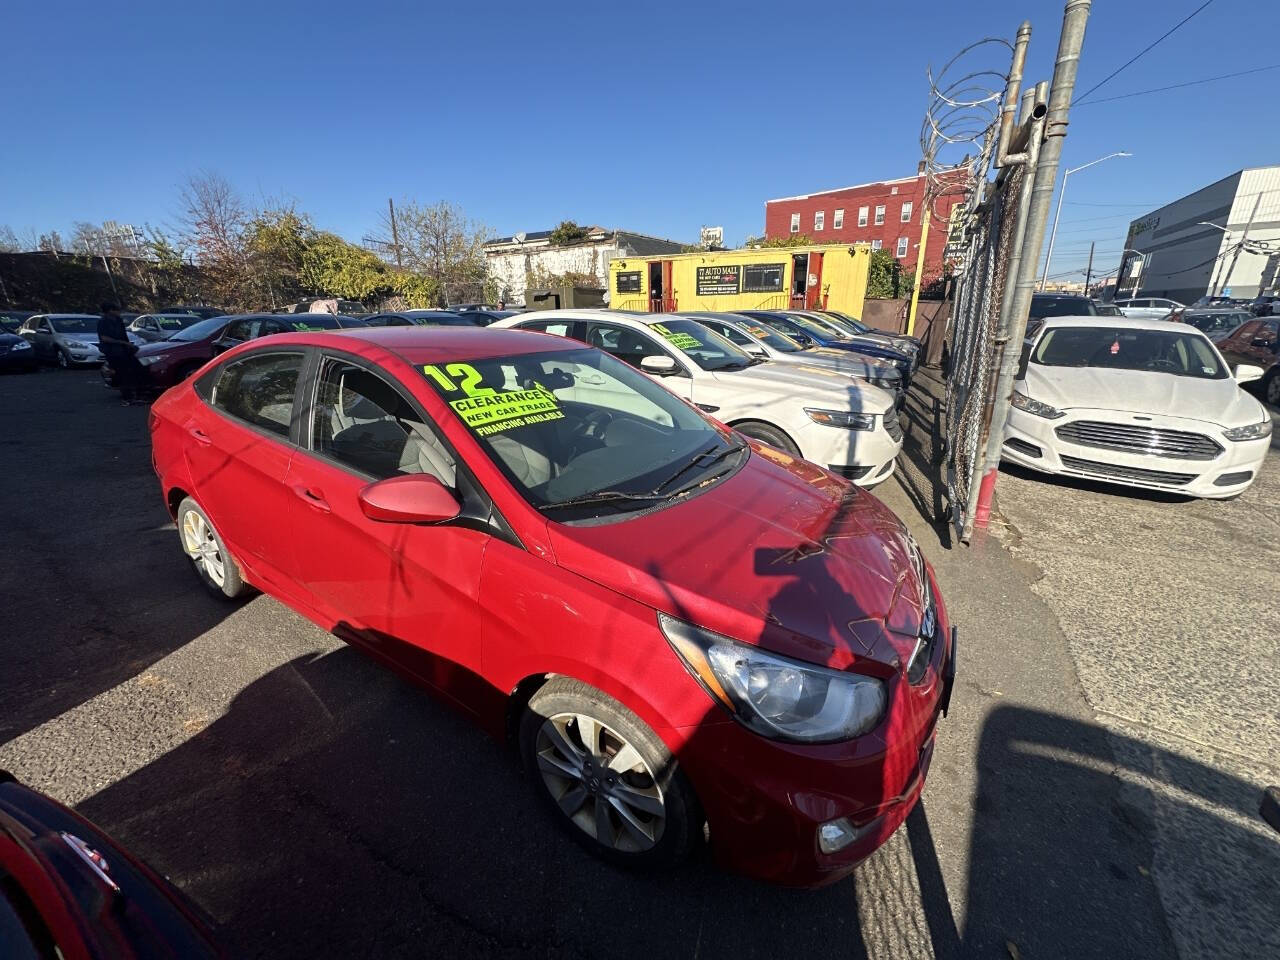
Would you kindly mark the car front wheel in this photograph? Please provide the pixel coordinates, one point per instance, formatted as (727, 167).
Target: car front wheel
(1271, 388)
(64, 360)
(607, 777)
(768, 434)
(206, 551)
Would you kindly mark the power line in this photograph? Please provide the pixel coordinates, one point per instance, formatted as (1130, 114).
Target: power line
(1084, 96)
(1176, 86)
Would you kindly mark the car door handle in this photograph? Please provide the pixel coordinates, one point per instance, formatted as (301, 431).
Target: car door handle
(199, 435)
(312, 498)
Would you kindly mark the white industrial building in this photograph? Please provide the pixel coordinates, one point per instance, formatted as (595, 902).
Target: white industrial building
(516, 261)
(1221, 240)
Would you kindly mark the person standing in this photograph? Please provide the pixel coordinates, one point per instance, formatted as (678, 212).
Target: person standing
(114, 343)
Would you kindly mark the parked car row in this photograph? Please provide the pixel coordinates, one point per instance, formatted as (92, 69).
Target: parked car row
(67, 339)
(689, 636)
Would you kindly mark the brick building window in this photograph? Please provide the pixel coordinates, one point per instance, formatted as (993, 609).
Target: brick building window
(819, 219)
(837, 221)
(879, 214)
(862, 216)
(902, 247)
(795, 223)
(906, 211)
(877, 244)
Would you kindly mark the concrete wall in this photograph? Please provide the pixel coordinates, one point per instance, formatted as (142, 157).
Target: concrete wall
(509, 268)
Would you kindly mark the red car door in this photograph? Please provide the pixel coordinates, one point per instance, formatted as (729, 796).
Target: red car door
(241, 443)
(406, 592)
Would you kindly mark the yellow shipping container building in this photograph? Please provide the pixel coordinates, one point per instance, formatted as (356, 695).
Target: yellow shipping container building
(832, 277)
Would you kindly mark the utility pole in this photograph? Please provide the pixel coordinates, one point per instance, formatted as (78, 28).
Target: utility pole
(1088, 273)
(1226, 284)
(1070, 43)
(395, 233)
(915, 290)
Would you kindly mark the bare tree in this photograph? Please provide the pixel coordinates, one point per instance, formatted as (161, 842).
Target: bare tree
(9, 242)
(214, 221)
(440, 243)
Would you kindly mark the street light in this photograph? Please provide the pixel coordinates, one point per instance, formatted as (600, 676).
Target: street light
(1054, 235)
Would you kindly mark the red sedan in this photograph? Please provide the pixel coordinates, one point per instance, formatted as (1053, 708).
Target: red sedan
(682, 632)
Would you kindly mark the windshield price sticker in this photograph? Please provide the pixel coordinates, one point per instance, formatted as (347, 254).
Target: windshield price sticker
(683, 341)
(760, 332)
(488, 411)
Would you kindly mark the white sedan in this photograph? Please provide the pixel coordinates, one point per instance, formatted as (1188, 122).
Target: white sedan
(1145, 403)
(1148, 308)
(847, 426)
(761, 341)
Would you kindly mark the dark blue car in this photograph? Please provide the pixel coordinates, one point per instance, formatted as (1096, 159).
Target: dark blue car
(806, 331)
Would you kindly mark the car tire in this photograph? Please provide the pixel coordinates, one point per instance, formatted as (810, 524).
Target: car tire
(1271, 388)
(767, 434)
(202, 544)
(64, 359)
(646, 813)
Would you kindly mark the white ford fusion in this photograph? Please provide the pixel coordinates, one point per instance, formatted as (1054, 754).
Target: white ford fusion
(1144, 403)
(830, 419)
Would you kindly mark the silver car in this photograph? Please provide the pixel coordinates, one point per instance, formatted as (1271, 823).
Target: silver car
(1148, 308)
(67, 339)
(761, 341)
(153, 327)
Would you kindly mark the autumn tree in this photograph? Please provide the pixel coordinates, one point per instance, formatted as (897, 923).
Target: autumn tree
(440, 243)
(214, 222)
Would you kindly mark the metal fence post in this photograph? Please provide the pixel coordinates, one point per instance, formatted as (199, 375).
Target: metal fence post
(1070, 43)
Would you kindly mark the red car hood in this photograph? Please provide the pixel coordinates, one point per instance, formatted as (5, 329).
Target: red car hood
(782, 555)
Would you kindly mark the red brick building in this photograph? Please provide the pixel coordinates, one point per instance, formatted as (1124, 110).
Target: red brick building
(884, 214)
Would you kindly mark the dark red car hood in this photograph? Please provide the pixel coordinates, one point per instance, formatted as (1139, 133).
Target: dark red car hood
(782, 555)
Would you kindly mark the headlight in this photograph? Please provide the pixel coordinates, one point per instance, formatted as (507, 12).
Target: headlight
(148, 361)
(1025, 403)
(22, 345)
(1254, 431)
(892, 384)
(774, 696)
(842, 418)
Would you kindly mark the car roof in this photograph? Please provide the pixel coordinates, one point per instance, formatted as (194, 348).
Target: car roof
(1127, 323)
(419, 345)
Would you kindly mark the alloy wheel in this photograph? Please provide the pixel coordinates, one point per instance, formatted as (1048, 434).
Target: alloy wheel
(1273, 390)
(202, 547)
(63, 362)
(600, 782)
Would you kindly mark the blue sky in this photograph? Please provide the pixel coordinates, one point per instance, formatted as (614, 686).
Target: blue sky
(656, 118)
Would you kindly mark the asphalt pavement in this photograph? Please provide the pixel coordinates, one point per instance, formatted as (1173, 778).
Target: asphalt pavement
(317, 805)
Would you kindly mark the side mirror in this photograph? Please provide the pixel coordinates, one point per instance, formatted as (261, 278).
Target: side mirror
(756, 351)
(659, 365)
(418, 498)
(1247, 373)
(1264, 342)
(801, 339)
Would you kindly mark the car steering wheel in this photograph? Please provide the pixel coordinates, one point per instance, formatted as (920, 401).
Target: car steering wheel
(592, 426)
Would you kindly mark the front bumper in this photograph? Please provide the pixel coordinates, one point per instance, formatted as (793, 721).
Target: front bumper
(1032, 441)
(766, 800)
(863, 456)
(18, 360)
(82, 354)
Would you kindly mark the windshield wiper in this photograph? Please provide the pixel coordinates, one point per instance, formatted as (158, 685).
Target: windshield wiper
(703, 458)
(699, 460)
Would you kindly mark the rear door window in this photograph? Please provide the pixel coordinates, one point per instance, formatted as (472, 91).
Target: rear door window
(259, 390)
(629, 346)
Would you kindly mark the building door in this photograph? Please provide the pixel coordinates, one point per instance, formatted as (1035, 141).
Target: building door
(799, 280)
(661, 299)
(814, 300)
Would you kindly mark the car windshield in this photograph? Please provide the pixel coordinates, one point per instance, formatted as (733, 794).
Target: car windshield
(778, 341)
(708, 349)
(853, 323)
(1061, 307)
(198, 331)
(74, 324)
(817, 330)
(1215, 322)
(827, 326)
(581, 434)
(303, 322)
(1127, 348)
(175, 321)
(8, 326)
(440, 320)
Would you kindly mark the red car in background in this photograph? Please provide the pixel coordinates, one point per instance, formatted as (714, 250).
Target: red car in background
(173, 360)
(678, 629)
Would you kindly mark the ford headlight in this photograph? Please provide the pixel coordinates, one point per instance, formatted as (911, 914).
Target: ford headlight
(774, 696)
(1026, 404)
(842, 418)
(1253, 431)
